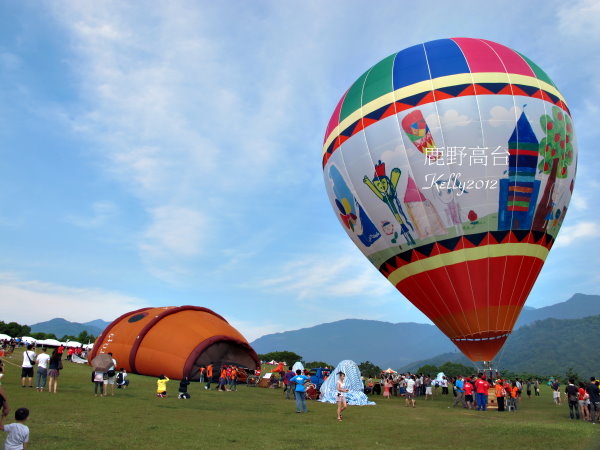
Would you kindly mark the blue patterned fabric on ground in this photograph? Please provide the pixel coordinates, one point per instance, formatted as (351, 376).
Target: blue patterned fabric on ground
(355, 394)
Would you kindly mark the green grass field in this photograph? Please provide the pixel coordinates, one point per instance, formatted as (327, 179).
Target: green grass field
(262, 418)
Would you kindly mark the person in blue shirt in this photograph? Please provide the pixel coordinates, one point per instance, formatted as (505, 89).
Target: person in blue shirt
(460, 392)
(300, 379)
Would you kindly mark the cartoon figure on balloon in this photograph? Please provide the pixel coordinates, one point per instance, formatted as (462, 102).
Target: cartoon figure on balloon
(445, 190)
(351, 213)
(385, 188)
(388, 229)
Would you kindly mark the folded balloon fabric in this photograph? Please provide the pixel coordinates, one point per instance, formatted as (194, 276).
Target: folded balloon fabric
(355, 395)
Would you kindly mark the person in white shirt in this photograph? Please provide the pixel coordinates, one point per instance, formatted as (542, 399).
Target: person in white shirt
(444, 386)
(341, 395)
(27, 366)
(17, 433)
(111, 375)
(42, 370)
(410, 385)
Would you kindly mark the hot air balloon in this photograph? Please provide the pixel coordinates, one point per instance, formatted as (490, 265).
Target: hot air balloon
(450, 164)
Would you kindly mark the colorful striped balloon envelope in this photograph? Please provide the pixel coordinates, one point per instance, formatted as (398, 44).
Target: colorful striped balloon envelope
(451, 165)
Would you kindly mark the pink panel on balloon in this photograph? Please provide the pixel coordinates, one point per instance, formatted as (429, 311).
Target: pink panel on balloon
(335, 117)
(480, 57)
(512, 61)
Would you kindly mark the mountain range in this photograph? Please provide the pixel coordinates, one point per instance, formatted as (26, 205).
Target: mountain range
(406, 344)
(546, 347)
(61, 327)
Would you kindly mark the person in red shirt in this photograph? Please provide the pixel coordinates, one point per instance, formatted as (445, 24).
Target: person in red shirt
(468, 388)
(482, 387)
(582, 400)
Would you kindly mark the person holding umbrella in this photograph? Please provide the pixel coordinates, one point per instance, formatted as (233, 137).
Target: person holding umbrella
(101, 364)
(110, 376)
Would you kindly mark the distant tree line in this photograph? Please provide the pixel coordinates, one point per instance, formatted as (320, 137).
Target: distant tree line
(288, 357)
(452, 369)
(316, 364)
(14, 329)
(369, 370)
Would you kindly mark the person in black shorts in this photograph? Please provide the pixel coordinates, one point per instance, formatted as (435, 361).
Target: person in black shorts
(27, 366)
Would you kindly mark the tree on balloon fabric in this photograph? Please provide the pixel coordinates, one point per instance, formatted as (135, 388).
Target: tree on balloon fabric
(556, 149)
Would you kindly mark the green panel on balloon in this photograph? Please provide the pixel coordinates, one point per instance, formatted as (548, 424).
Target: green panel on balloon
(353, 100)
(537, 70)
(379, 80)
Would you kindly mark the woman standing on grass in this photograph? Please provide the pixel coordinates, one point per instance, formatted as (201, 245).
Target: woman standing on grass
(341, 395)
(428, 390)
(387, 386)
(583, 400)
(54, 366)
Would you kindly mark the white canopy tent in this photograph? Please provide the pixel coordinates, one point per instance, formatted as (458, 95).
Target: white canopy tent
(48, 343)
(5, 337)
(72, 344)
(28, 340)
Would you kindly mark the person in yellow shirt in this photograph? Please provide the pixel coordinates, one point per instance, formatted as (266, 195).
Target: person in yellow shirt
(161, 386)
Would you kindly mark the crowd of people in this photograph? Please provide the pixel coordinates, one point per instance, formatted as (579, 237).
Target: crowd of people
(474, 392)
(470, 392)
(583, 398)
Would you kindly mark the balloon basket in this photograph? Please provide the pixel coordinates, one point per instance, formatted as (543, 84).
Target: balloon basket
(489, 371)
(490, 374)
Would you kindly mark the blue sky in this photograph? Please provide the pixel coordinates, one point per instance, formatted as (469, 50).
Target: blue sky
(170, 153)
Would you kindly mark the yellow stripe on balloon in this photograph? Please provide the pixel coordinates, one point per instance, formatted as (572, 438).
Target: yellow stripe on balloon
(438, 83)
(467, 254)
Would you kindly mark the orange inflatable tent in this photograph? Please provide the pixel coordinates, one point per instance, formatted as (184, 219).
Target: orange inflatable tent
(175, 341)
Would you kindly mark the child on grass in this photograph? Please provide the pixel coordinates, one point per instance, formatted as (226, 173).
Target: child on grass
(183, 387)
(17, 433)
(161, 386)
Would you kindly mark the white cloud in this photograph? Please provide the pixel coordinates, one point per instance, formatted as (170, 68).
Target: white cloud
(182, 114)
(9, 61)
(252, 330)
(327, 275)
(579, 201)
(175, 235)
(580, 231)
(101, 213)
(499, 115)
(31, 301)
(450, 119)
(580, 19)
